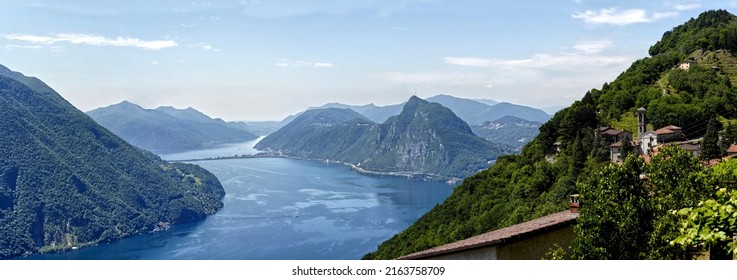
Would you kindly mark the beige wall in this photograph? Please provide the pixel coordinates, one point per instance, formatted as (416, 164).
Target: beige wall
(483, 253)
(536, 247)
(533, 248)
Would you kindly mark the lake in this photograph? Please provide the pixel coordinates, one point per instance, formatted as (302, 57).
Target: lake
(278, 208)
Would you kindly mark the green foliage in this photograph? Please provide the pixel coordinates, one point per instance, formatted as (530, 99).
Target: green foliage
(65, 181)
(710, 144)
(712, 222)
(729, 136)
(712, 30)
(615, 215)
(628, 217)
(555, 253)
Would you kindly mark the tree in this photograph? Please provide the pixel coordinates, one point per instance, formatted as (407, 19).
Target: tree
(675, 180)
(710, 144)
(711, 223)
(616, 219)
(627, 148)
(729, 136)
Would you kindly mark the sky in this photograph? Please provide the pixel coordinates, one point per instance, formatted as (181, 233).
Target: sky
(266, 59)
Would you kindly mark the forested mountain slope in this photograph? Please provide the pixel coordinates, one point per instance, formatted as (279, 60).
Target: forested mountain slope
(66, 181)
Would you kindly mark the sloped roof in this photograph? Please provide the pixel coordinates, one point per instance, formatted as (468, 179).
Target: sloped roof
(620, 144)
(690, 147)
(666, 130)
(732, 149)
(671, 127)
(501, 236)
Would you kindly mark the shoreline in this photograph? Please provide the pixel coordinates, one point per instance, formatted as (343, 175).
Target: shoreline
(356, 168)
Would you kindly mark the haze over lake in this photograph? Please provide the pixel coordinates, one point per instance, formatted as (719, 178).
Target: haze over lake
(283, 209)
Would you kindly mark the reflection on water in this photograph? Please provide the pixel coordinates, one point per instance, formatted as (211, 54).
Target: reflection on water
(285, 209)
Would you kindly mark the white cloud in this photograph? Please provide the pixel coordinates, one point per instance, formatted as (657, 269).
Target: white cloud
(615, 16)
(204, 46)
(662, 15)
(540, 61)
(592, 47)
(15, 47)
(687, 6)
(93, 40)
(300, 63)
(323, 64)
(544, 75)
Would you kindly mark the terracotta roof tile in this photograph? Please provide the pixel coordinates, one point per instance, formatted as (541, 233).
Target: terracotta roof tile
(732, 149)
(500, 236)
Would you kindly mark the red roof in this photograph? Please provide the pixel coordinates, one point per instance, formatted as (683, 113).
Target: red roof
(501, 236)
(732, 149)
(690, 147)
(667, 129)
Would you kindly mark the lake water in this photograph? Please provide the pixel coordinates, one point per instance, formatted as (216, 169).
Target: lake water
(283, 209)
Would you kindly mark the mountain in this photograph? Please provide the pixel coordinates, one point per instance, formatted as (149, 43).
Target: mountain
(261, 128)
(487, 101)
(377, 114)
(686, 81)
(67, 182)
(318, 133)
(167, 129)
(473, 112)
(426, 140)
(512, 131)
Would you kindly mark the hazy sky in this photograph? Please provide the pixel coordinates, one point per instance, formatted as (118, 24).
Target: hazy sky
(265, 59)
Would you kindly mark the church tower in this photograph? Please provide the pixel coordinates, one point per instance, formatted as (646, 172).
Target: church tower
(641, 121)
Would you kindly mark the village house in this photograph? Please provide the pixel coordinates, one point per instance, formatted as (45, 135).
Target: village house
(614, 135)
(616, 149)
(530, 240)
(685, 65)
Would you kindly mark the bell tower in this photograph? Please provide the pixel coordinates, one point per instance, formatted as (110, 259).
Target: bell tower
(641, 121)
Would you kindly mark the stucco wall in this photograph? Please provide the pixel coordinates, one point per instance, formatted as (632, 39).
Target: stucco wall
(536, 247)
(533, 248)
(483, 253)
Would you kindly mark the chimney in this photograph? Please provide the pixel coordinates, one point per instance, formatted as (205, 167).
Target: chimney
(574, 203)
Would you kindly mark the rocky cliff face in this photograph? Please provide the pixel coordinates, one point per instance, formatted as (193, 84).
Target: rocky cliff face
(425, 140)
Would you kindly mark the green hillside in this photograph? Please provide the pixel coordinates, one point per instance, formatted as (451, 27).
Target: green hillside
(537, 181)
(67, 182)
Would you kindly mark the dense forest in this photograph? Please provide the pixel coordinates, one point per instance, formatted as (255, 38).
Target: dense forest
(537, 181)
(67, 182)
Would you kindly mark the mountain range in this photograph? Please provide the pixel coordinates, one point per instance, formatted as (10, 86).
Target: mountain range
(508, 130)
(166, 129)
(473, 112)
(67, 182)
(425, 141)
